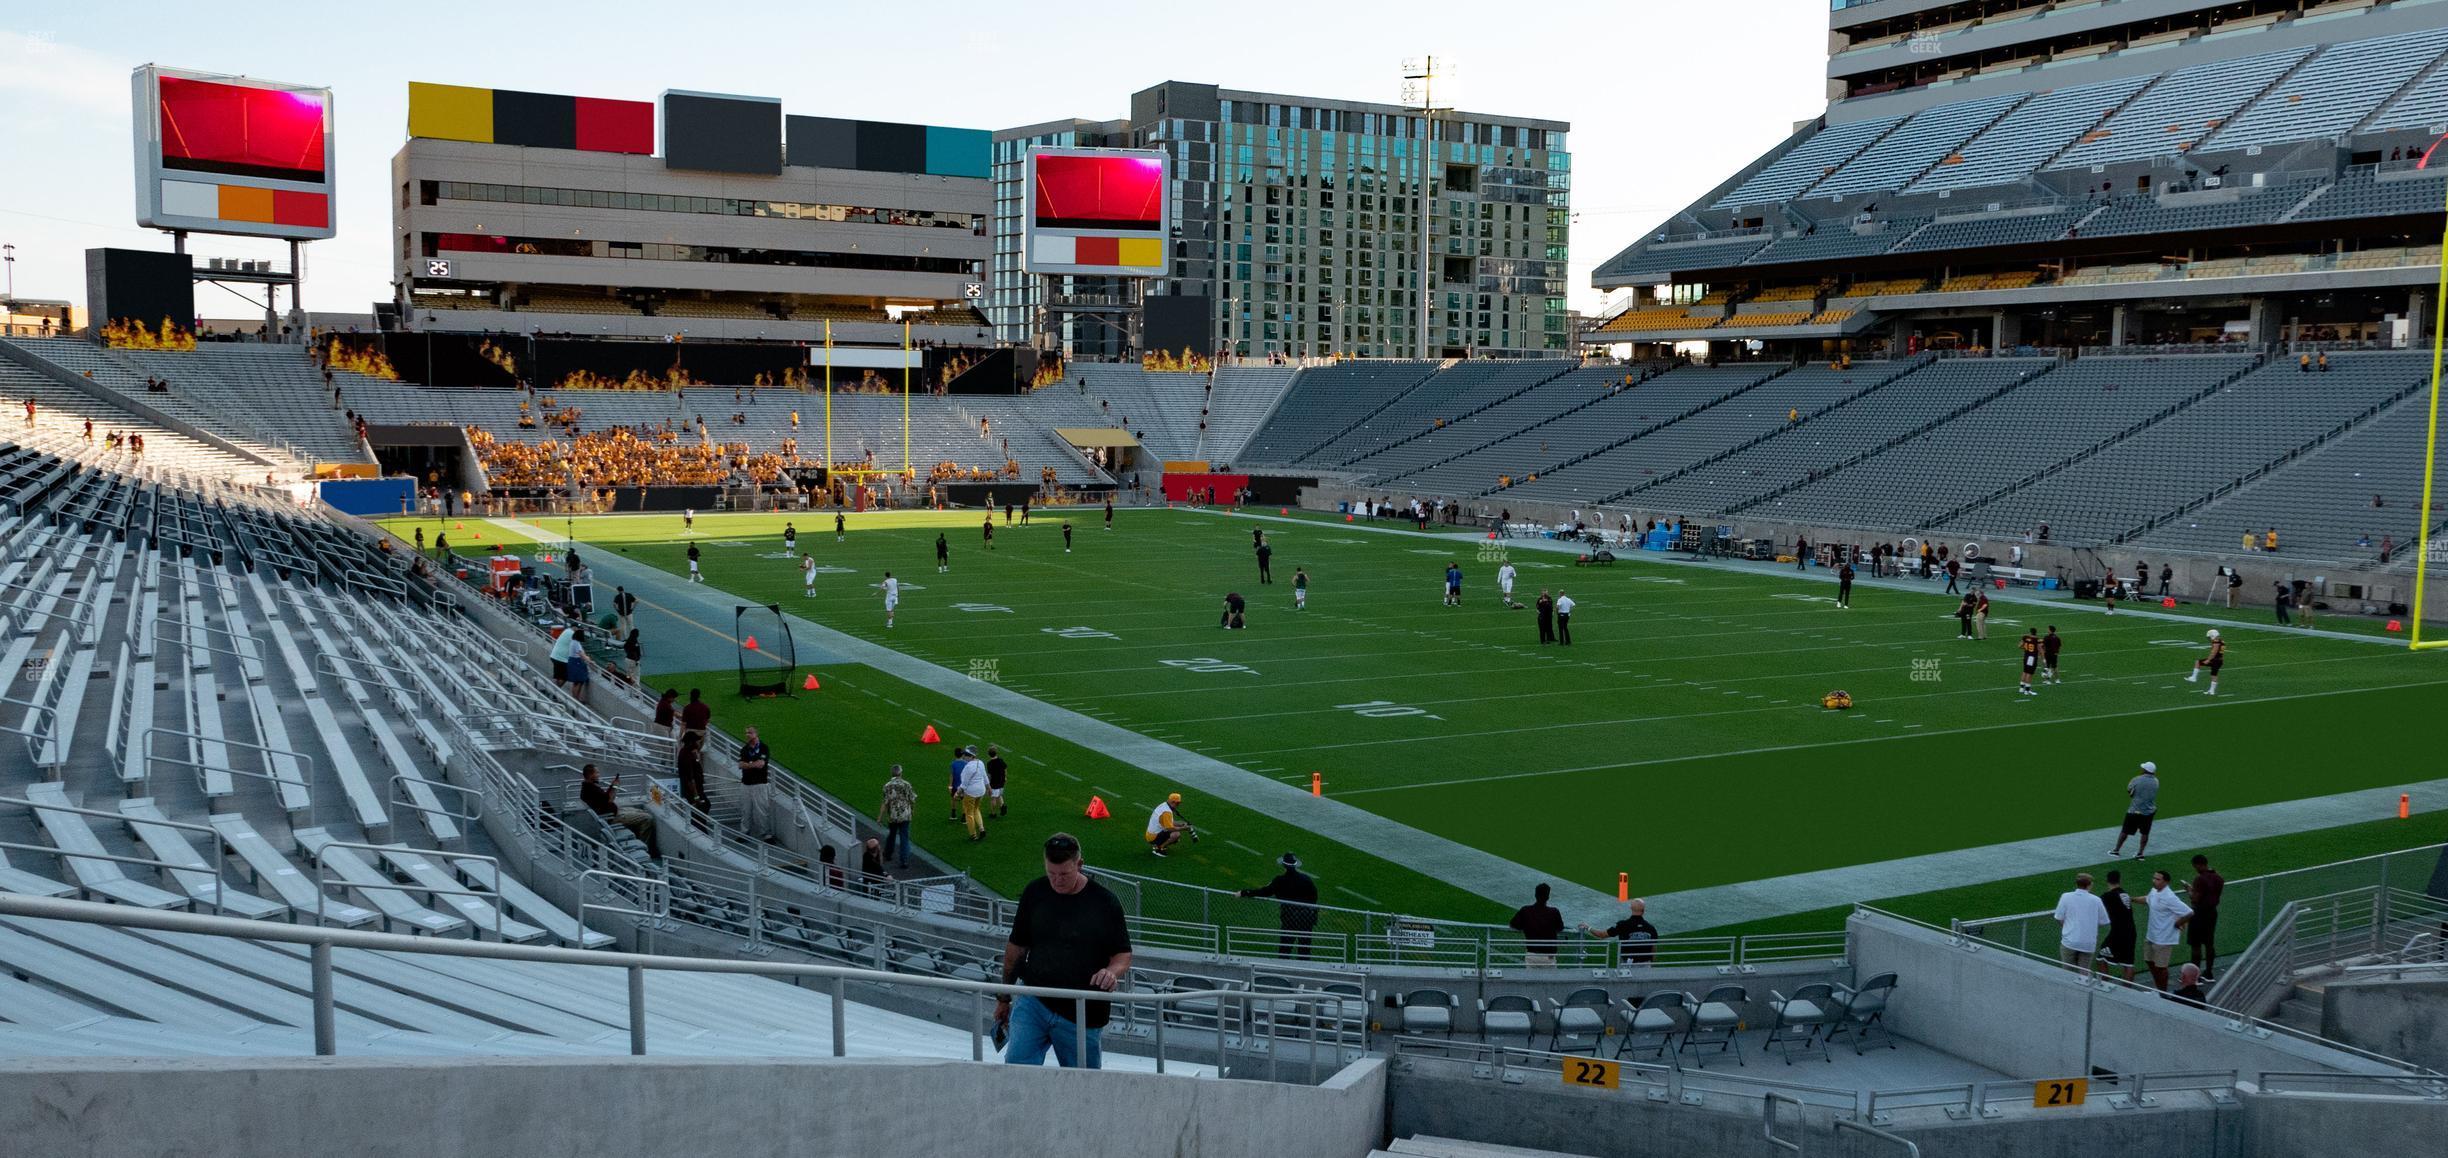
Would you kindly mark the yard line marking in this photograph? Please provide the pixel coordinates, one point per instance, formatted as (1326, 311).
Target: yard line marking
(1031, 759)
(1066, 775)
(1357, 893)
(1772, 748)
(1243, 847)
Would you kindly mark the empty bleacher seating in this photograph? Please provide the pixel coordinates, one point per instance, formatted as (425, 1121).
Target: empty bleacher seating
(1924, 139)
(2332, 92)
(2021, 140)
(1808, 161)
(2178, 110)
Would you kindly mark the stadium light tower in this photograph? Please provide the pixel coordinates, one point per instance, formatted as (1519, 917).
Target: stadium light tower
(10, 252)
(1419, 85)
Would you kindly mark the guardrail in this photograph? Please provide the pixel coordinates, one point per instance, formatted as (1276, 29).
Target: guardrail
(1264, 1030)
(2245, 984)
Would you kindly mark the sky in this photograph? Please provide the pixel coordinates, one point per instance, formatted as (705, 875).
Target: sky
(1665, 98)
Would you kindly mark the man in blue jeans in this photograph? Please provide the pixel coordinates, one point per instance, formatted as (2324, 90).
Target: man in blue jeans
(1068, 933)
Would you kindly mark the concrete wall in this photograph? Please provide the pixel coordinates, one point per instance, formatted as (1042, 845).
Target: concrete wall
(2297, 1125)
(2029, 1018)
(1446, 1100)
(2400, 1018)
(611, 1108)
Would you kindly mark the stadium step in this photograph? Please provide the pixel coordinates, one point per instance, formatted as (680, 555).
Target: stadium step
(2300, 1012)
(1431, 1146)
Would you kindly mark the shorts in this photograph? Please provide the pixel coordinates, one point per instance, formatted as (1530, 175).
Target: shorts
(2078, 958)
(2051, 661)
(2215, 665)
(2136, 823)
(2157, 955)
(2030, 664)
(2120, 949)
(891, 603)
(560, 671)
(692, 566)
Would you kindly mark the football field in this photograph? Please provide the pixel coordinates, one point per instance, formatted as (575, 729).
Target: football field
(1679, 738)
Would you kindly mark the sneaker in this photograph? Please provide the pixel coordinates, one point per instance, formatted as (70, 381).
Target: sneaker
(1157, 852)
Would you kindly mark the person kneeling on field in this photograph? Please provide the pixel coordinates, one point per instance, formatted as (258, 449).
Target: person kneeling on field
(1233, 607)
(1166, 827)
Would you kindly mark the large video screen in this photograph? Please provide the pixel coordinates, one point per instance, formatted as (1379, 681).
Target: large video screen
(1097, 212)
(218, 153)
(208, 127)
(1111, 191)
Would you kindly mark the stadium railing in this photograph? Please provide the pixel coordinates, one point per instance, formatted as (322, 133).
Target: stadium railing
(2261, 896)
(2097, 979)
(1261, 1026)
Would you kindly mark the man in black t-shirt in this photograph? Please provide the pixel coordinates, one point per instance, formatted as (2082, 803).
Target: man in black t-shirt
(1067, 933)
(998, 771)
(2120, 947)
(1539, 924)
(1639, 937)
(603, 799)
(755, 767)
(1235, 608)
(1295, 894)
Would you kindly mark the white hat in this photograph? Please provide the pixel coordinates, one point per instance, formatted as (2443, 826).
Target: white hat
(2214, 633)
(2150, 767)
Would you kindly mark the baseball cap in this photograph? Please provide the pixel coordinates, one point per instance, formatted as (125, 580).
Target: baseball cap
(2150, 767)
(1173, 799)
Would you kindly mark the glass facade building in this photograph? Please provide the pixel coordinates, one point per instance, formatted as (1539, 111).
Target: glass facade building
(1300, 221)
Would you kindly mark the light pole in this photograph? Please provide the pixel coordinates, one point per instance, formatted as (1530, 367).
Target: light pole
(9, 252)
(1419, 78)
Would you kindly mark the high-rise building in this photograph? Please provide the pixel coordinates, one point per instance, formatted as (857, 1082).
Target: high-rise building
(1298, 219)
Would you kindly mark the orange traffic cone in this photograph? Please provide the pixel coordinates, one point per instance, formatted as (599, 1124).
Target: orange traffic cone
(1283, 510)
(750, 645)
(929, 736)
(2168, 602)
(1347, 518)
(811, 684)
(458, 526)
(1317, 784)
(1097, 809)
(2394, 625)
(1623, 886)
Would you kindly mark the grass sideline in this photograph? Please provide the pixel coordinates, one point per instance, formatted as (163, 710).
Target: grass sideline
(1680, 739)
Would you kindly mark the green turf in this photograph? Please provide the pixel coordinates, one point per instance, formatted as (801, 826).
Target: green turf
(1679, 740)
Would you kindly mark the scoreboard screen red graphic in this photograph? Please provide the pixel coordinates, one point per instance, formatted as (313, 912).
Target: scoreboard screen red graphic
(1099, 192)
(241, 131)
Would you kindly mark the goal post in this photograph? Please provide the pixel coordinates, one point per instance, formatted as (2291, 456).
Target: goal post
(2425, 544)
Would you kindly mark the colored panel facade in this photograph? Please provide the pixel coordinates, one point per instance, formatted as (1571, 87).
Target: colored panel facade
(959, 152)
(534, 120)
(616, 126)
(450, 112)
(884, 147)
(823, 142)
(722, 134)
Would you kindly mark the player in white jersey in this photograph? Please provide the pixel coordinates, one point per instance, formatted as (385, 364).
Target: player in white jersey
(1504, 584)
(807, 575)
(892, 597)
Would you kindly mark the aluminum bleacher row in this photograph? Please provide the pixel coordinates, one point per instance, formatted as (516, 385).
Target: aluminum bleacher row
(197, 397)
(1981, 445)
(2044, 151)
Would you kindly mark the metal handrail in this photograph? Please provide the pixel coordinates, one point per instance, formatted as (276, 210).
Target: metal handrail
(393, 800)
(305, 761)
(1911, 1149)
(324, 881)
(219, 863)
(2269, 958)
(323, 940)
(1768, 1121)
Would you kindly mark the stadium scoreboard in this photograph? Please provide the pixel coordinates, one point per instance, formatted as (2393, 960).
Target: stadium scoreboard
(230, 154)
(1097, 212)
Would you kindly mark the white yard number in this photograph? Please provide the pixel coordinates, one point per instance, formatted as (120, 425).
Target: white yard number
(981, 607)
(1384, 710)
(1205, 664)
(1079, 633)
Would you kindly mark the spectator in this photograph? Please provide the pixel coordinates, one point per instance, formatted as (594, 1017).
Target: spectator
(998, 772)
(564, 642)
(871, 864)
(1295, 894)
(2079, 916)
(973, 789)
(631, 653)
(2188, 984)
(2141, 805)
(624, 605)
(1637, 936)
(2208, 888)
(900, 802)
(2169, 914)
(1539, 925)
(695, 717)
(667, 711)
(2120, 948)
(604, 800)
(581, 673)
(755, 769)
(689, 765)
(1067, 933)
(2167, 578)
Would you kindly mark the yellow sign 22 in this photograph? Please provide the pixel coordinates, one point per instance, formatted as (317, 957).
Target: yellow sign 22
(1592, 1074)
